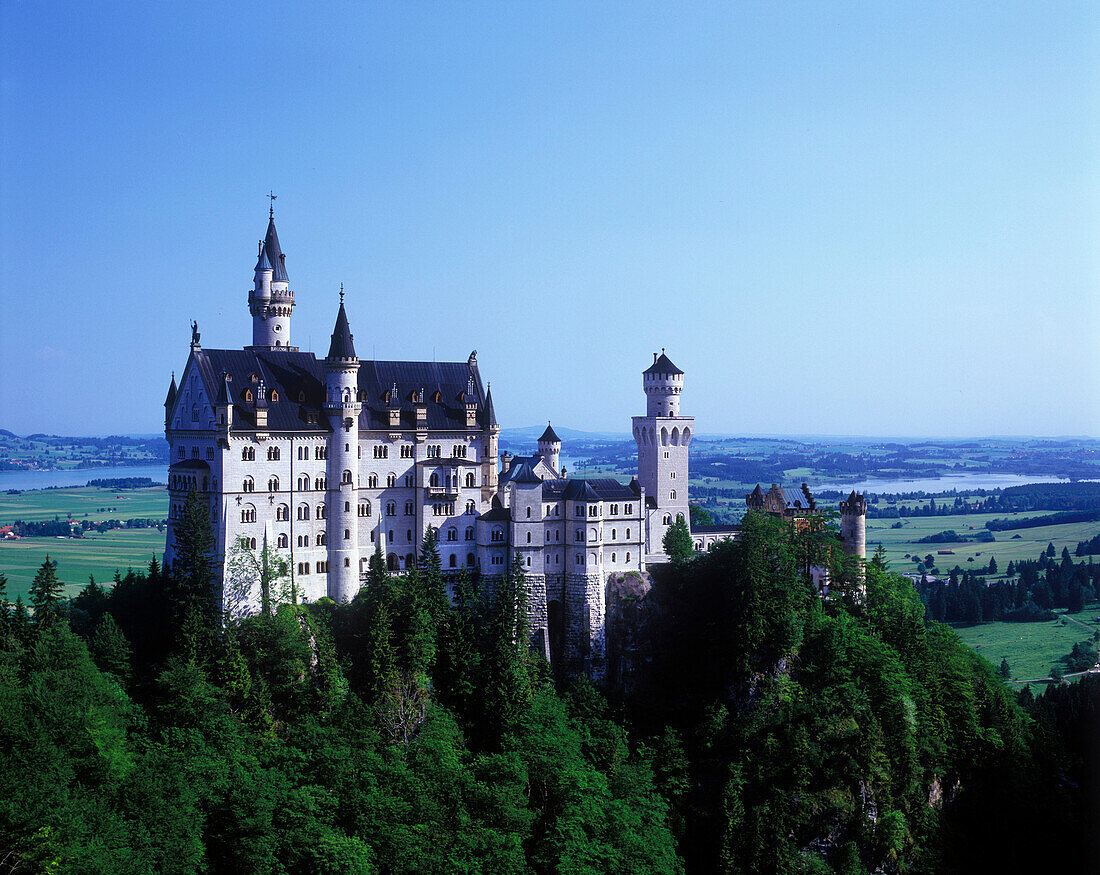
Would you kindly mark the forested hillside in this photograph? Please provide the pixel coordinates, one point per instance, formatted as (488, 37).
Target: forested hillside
(764, 730)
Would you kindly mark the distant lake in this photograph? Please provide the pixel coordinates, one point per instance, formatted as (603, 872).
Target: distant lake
(960, 482)
(74, 477)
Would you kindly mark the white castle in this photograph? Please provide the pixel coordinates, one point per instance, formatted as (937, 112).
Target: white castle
(326, 460)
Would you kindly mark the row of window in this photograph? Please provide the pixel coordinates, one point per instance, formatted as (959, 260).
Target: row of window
(181, 453)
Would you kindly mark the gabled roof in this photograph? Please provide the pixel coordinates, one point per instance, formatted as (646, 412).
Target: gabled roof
(498, 513)
(662, 365)
(274, 253)
(549, 435)
(341, 346)
(597, 489)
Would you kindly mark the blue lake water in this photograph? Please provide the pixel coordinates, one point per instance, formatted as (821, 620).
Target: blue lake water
(45, 479)
(939, 484)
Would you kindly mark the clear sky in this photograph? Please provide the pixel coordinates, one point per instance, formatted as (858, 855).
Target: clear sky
(869, 218)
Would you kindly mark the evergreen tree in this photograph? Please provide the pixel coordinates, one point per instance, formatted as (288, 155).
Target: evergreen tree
(992, 564)
(46, 592)
(5, 612)
(506, 687)
(20, 623)
(430, 571)
(1004, 671)
(677, 542)
(191, 578)
(109, 648)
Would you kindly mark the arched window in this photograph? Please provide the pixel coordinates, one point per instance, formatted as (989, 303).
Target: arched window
(453, 561)
(320, 484)
(391, 509)
(528, 537)
(452, 534)
(273, 454)
(321, 512)
(347, 534)
(303, 483)
(372, 481)
(249, 485)
(469, 533)
(248, 513)
(391, 561)
(528, 512)
(283, 541)
(303, 511)
(347, 506)
(364, 509)
(282, 513)
(672, 495)
(470, 560)
(408, 508)
(321, 539)
(612, 557)
(667, 519)
(194, 412)
(272, 484)
(433, 480)
(470, 479)
(613, 534)
(347, 562)
(346, 477)
(498, 535)
(471, 507)
(628, 534)
(627, 557)
(248, 454)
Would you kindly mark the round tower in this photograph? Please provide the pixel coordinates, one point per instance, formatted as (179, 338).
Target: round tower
(342, 409)
(663, 382)
(550, 449)
(853, 525)
(270, 301)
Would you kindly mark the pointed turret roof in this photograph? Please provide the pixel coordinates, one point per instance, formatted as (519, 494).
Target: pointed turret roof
(171, 392)
(274, 252)
(263, 262)
(523, 473)
(662, 364)
(341, 346)
(223, 392)
(549, 435)
(490, 414)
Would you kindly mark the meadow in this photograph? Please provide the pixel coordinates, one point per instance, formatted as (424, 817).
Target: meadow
(77, 558)
(1031, 649)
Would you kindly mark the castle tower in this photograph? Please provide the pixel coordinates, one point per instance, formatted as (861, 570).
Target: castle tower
(663, 437)
(550, 449)
(270, 301)
(853, 525)
(342, 408)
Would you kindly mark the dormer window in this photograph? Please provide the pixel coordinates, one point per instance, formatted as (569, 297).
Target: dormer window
(301, 397)
(438, 398)
(248, 395)
(274, 395)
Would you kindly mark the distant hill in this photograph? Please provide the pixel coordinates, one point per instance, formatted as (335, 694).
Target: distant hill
(532, 433)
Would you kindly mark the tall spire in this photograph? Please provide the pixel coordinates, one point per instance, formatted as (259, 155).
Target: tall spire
(274, 252)
(341, 346)
(490, 414)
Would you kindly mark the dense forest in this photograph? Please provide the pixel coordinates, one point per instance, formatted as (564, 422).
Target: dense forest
(757, 728)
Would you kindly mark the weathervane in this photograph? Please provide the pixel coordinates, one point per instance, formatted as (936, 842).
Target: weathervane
(272, 195)
(341, 293)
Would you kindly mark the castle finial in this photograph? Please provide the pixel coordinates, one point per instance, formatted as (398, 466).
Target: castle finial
(341, 293)
(271, 212)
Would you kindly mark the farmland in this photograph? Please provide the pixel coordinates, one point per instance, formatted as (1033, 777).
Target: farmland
(1031, 649)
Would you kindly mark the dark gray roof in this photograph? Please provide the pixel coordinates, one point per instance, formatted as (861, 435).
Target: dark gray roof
(662, 365)
(498, 513)
(298, 379)
(171, 393)
(598, 489)
(274, 253)
(341, 346)
(263, 262)
(549, 435)
(189, 465)
(223, 393)
(523, 473)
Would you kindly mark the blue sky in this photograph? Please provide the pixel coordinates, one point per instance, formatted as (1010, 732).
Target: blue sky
(837, 218)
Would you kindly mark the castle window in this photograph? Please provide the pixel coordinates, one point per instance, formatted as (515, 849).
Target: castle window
(321, 539)
(303, 511)
(391, 509)
(322, 567)
(497, 535)
(346, 477)
(469, 533)
(181, 453)
(364, 509)
(594, 510)
(347, 562)
(528, 513)
(469, 480)
(406, 452)
(547, 536)
(614, 510)
(672, 495)
(372, 481)
(347, 506)
(580, 559)
(433, 480)
(629, 510)
(612, 557)
(671, 475)
(248, 514)
(452, 534)
(247, 394)
(248, 485)
(580, 510)
(210, 454)
(194, 412)
(437, 398)
(408, 536)
(627, 557)
(628, 534)
(320, 484)
(283, 542)
(272, 484)
(303, 483)
(471, 507)
(592, 534)
(194, 452)
(248, 454)
(452, 562)
(612, 534)
(667, 519)
(273, 454)
(274, 394)
(679, 517)
(391, 479)
(321, 512)
(408, 479)
(282, 513)
(579, 536)
(470, 560)
(408, 508)
(528, 537)
(347, 534)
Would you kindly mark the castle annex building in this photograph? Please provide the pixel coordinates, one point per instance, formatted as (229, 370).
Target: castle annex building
(324, 460)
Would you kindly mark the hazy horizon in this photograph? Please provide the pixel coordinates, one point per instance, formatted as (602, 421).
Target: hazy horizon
(838, 220)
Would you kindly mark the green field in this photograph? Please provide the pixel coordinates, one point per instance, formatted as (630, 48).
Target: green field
(76, 558)
(1031, 649)
(898, 542)
(98, 554)
(84, 502)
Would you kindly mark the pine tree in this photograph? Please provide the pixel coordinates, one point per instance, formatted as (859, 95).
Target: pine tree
(677, 542)
(1004, 671)
(109, 648)
(21, 628)
(5, 613)
(46, 592)
(192, 571)
(506, 686)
